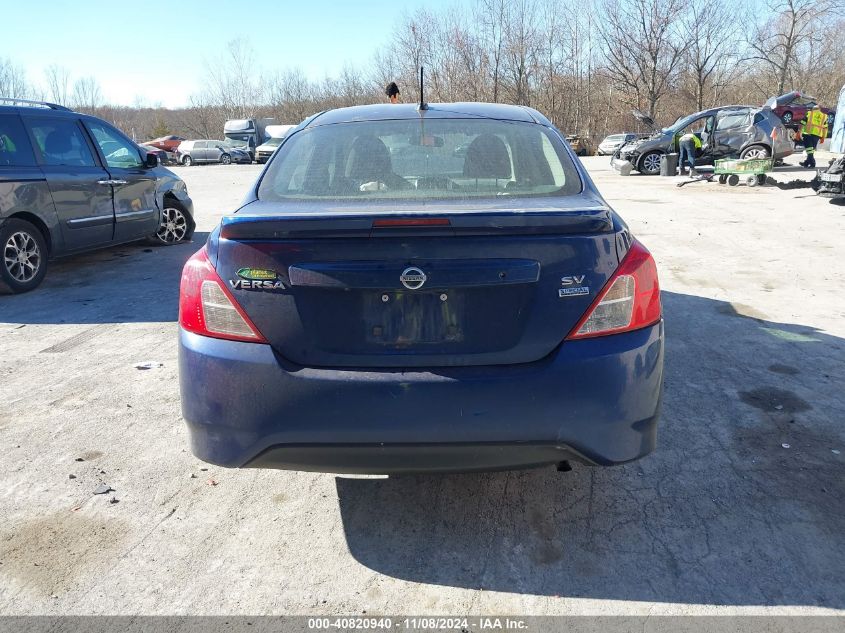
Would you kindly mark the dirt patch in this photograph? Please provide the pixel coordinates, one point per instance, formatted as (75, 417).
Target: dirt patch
(772, 399)
(46, 554)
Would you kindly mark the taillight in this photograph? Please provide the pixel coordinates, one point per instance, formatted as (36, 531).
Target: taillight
(630, 300)
(206, 307)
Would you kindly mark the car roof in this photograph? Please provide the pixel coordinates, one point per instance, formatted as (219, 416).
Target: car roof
(400, 111)
(17, 109)
(728, 107)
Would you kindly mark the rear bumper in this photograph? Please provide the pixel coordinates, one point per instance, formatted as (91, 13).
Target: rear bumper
(597, 400)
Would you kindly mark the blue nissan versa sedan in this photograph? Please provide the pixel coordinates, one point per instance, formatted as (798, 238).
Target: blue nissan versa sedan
(426, 289)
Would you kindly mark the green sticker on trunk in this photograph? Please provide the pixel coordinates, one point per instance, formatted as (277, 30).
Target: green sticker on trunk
(258, 274)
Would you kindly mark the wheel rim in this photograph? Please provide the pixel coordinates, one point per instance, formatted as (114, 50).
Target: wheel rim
(758, 152)
(22, 257)
(173, 227)
(651, 163)
(187, 160)
(225, 160)
(787, 118)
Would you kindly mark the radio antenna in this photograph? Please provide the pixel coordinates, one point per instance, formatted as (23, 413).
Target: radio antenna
(423, 105)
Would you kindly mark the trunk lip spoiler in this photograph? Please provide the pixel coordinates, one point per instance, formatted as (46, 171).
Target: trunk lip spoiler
(590, 219)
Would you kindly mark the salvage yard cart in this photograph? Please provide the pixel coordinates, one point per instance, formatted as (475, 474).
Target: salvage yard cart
(752, 170)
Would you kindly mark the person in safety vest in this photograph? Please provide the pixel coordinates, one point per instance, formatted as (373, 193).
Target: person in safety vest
(689, 144)
(814, 131)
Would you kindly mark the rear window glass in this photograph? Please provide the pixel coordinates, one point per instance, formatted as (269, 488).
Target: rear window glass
(15, 150)
(413, 159)
(734, 120)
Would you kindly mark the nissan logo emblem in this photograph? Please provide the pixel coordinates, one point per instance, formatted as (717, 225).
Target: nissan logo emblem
(412, 278)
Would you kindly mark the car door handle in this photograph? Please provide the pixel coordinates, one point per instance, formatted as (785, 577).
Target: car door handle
(111, 182)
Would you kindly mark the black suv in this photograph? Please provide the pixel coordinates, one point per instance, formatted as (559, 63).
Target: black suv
(70, 182)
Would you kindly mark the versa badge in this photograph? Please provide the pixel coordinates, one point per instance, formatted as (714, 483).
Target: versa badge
(257, 279)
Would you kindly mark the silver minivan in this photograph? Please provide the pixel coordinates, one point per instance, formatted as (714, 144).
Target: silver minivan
(210, 151)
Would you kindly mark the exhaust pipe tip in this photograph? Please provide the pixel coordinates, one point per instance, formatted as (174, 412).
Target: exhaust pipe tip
(564, 467)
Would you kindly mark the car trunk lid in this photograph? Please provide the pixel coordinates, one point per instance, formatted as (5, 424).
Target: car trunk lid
(432, 285)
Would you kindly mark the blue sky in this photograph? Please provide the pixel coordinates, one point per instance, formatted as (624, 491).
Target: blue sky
(156, 49)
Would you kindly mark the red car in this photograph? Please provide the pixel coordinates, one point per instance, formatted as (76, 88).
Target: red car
(167, 143)
(793, 107)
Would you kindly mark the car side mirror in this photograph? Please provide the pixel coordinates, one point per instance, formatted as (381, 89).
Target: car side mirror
(150, 161)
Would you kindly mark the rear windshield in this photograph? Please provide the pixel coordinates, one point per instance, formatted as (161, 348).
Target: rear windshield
(414, 159)
(615, 137)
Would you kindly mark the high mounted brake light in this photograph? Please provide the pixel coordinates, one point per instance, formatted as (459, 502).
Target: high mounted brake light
(630, 300)
(411, 222)
(206, 307)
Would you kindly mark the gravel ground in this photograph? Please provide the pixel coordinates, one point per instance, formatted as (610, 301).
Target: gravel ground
(740, 510)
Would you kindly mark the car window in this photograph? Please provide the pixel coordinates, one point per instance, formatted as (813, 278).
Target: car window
(200, 145)
(61, 142)
(119, 152)
(732, 120)
(440, 158)
(685, 123)
(15, 149)
(696, 127)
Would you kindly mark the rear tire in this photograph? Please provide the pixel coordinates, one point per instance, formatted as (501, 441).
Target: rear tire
(755, 151)
(723, 178)
(24, 256)
(187, 161)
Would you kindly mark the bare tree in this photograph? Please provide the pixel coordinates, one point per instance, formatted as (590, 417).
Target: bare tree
(795, 28)
(58, 83)
(13, 81)
(87, 94)
(291, 96)
(492, 17)
(521, 48)
(231, 80)
(202, 119)
(643, 47)
(709, 64)
(820, 69)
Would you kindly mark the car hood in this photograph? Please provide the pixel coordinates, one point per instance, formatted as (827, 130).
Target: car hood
(638, 145)
(643, 118)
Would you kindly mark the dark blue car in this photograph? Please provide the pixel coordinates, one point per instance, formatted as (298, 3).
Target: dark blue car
(383, 303)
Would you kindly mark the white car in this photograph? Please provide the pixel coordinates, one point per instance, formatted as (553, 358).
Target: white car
(613, 142)
(265, 151)
(277, 134)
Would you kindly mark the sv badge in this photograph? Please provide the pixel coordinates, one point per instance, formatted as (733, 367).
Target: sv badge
(572, 280)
